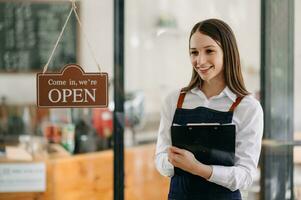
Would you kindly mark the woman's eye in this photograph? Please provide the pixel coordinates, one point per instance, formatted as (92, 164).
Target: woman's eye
(193, 53)
(209, 51)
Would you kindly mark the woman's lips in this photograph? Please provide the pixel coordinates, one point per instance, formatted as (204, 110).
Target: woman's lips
(204, 71)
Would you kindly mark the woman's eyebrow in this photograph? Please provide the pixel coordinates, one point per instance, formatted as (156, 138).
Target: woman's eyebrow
(208, 46)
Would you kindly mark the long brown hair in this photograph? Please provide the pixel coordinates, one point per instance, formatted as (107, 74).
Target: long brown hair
(224, 37)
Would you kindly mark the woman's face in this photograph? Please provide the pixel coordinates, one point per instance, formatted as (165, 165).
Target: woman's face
(206, 57)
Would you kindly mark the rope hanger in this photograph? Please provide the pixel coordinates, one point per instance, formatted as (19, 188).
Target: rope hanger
(73, 9)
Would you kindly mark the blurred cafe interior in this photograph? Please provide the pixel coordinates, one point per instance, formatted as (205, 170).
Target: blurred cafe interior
(78, 153)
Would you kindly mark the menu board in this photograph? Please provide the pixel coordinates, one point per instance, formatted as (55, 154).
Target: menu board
(28, 33)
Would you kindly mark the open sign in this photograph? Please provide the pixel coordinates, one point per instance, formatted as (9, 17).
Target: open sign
(72, 88)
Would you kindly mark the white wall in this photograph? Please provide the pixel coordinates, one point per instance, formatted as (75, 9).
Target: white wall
(18, 88)
(97, 17)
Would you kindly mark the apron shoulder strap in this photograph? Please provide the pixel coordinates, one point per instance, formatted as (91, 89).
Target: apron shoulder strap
(181, 99)
(183, 93)
(235, 104)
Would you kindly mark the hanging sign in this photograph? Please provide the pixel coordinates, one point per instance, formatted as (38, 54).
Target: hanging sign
(72, 88)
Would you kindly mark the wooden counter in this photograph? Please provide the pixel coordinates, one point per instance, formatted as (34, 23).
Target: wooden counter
(90, 177)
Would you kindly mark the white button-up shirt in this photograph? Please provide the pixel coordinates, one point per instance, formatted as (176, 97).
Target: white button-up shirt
(248, 118)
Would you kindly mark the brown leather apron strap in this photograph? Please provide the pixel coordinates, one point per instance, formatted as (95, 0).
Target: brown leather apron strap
(235, 104)
(181, 99)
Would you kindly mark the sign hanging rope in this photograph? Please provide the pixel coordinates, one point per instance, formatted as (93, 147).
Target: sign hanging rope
(72, 87)
(73, 9)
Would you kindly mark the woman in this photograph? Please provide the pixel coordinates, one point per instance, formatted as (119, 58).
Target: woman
(215, 94)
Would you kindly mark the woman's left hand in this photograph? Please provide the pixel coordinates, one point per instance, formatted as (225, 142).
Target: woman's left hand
(183, 159)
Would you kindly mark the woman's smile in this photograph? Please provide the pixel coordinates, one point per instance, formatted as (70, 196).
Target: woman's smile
(204, 70)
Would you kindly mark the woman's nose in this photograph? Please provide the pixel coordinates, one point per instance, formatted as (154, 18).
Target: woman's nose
(201, 60)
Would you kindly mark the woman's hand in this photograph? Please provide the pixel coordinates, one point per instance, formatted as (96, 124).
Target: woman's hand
(182, 158)
(185, 160)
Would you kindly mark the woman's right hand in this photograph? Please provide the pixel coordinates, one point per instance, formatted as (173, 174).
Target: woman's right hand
(181, 158)
(185, 160)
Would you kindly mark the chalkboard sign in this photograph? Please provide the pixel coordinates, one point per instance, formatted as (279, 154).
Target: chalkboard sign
(28, 32)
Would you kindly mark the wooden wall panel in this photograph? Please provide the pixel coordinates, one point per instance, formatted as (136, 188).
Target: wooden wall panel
(90, 177)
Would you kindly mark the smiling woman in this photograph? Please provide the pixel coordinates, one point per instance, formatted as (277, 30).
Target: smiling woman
(206, 57)
(218, 41)
(215, 94)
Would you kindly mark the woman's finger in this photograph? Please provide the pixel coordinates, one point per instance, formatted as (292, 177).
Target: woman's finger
(176, 150)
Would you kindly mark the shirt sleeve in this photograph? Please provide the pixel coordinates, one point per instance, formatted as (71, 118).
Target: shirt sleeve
(249, 121)
(164, 139)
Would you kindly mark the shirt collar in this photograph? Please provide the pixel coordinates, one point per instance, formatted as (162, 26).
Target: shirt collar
(226, 92)
(229, 93)
(195, 90)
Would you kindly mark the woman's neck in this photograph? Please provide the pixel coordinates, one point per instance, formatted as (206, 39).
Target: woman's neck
(212, 88)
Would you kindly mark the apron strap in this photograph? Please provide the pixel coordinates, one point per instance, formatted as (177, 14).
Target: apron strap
(183, 93)
(235, 104)
(181, 99)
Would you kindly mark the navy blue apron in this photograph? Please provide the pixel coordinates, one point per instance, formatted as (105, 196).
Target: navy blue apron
(186, 186)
